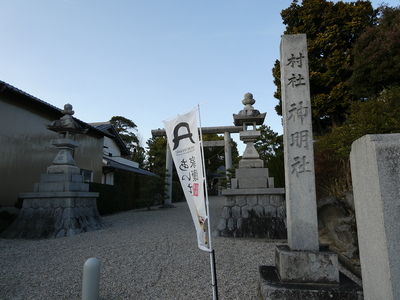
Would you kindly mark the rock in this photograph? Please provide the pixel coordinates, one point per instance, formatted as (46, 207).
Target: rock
(340, 224)
(349, 201)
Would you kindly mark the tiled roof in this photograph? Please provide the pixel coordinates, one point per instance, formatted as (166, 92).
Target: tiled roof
(113, 164)
(109, 128)
(8, 87)
(5, 86)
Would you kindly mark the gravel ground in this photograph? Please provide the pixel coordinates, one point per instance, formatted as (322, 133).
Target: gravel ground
(143, 254)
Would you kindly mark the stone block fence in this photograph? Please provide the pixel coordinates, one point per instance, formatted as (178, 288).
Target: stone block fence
(248, 214)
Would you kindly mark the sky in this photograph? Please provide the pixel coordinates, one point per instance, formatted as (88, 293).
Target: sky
(145, 60)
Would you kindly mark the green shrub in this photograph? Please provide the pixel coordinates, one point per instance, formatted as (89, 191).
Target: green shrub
(276, 167)
(332, 151)
(132, 191)
(110, 198)
(6, 218)
(177, 192)
(19, 203)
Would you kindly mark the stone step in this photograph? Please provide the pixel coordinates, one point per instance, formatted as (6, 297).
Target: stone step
(61, 178)
(61, 187)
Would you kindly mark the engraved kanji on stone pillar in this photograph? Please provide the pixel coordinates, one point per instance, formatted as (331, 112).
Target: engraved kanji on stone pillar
(302, 221)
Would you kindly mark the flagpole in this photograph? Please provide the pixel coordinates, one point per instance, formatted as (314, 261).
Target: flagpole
(211, 250)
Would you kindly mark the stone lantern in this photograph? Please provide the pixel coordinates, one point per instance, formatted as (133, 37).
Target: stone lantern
(249, 118)
(253, 206)
(60, 204)
(66, 128)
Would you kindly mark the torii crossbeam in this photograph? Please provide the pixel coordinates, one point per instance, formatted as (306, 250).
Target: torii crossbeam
(226, 143)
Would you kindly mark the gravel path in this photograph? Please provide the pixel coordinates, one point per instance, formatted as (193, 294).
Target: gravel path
(143, 254)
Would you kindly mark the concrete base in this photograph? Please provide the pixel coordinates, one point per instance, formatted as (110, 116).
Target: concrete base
(251, 178)
(315, 267)
(251, 163)
(271, 288)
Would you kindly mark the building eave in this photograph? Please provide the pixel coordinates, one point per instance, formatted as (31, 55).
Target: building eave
(111, 164)
(7, 88)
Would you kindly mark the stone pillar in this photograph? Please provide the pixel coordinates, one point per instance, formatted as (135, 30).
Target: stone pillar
(228, 150)
(302, 270)
(375, 170)
(301, 205)
(299, 157)
(168, 179)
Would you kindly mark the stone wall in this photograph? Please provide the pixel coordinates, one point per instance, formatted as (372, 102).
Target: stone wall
(256, 216)
(55, 217)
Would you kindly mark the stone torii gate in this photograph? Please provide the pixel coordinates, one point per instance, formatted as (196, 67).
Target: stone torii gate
(226, 130)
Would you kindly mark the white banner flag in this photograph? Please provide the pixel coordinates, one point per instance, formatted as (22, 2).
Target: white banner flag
(183, 140)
